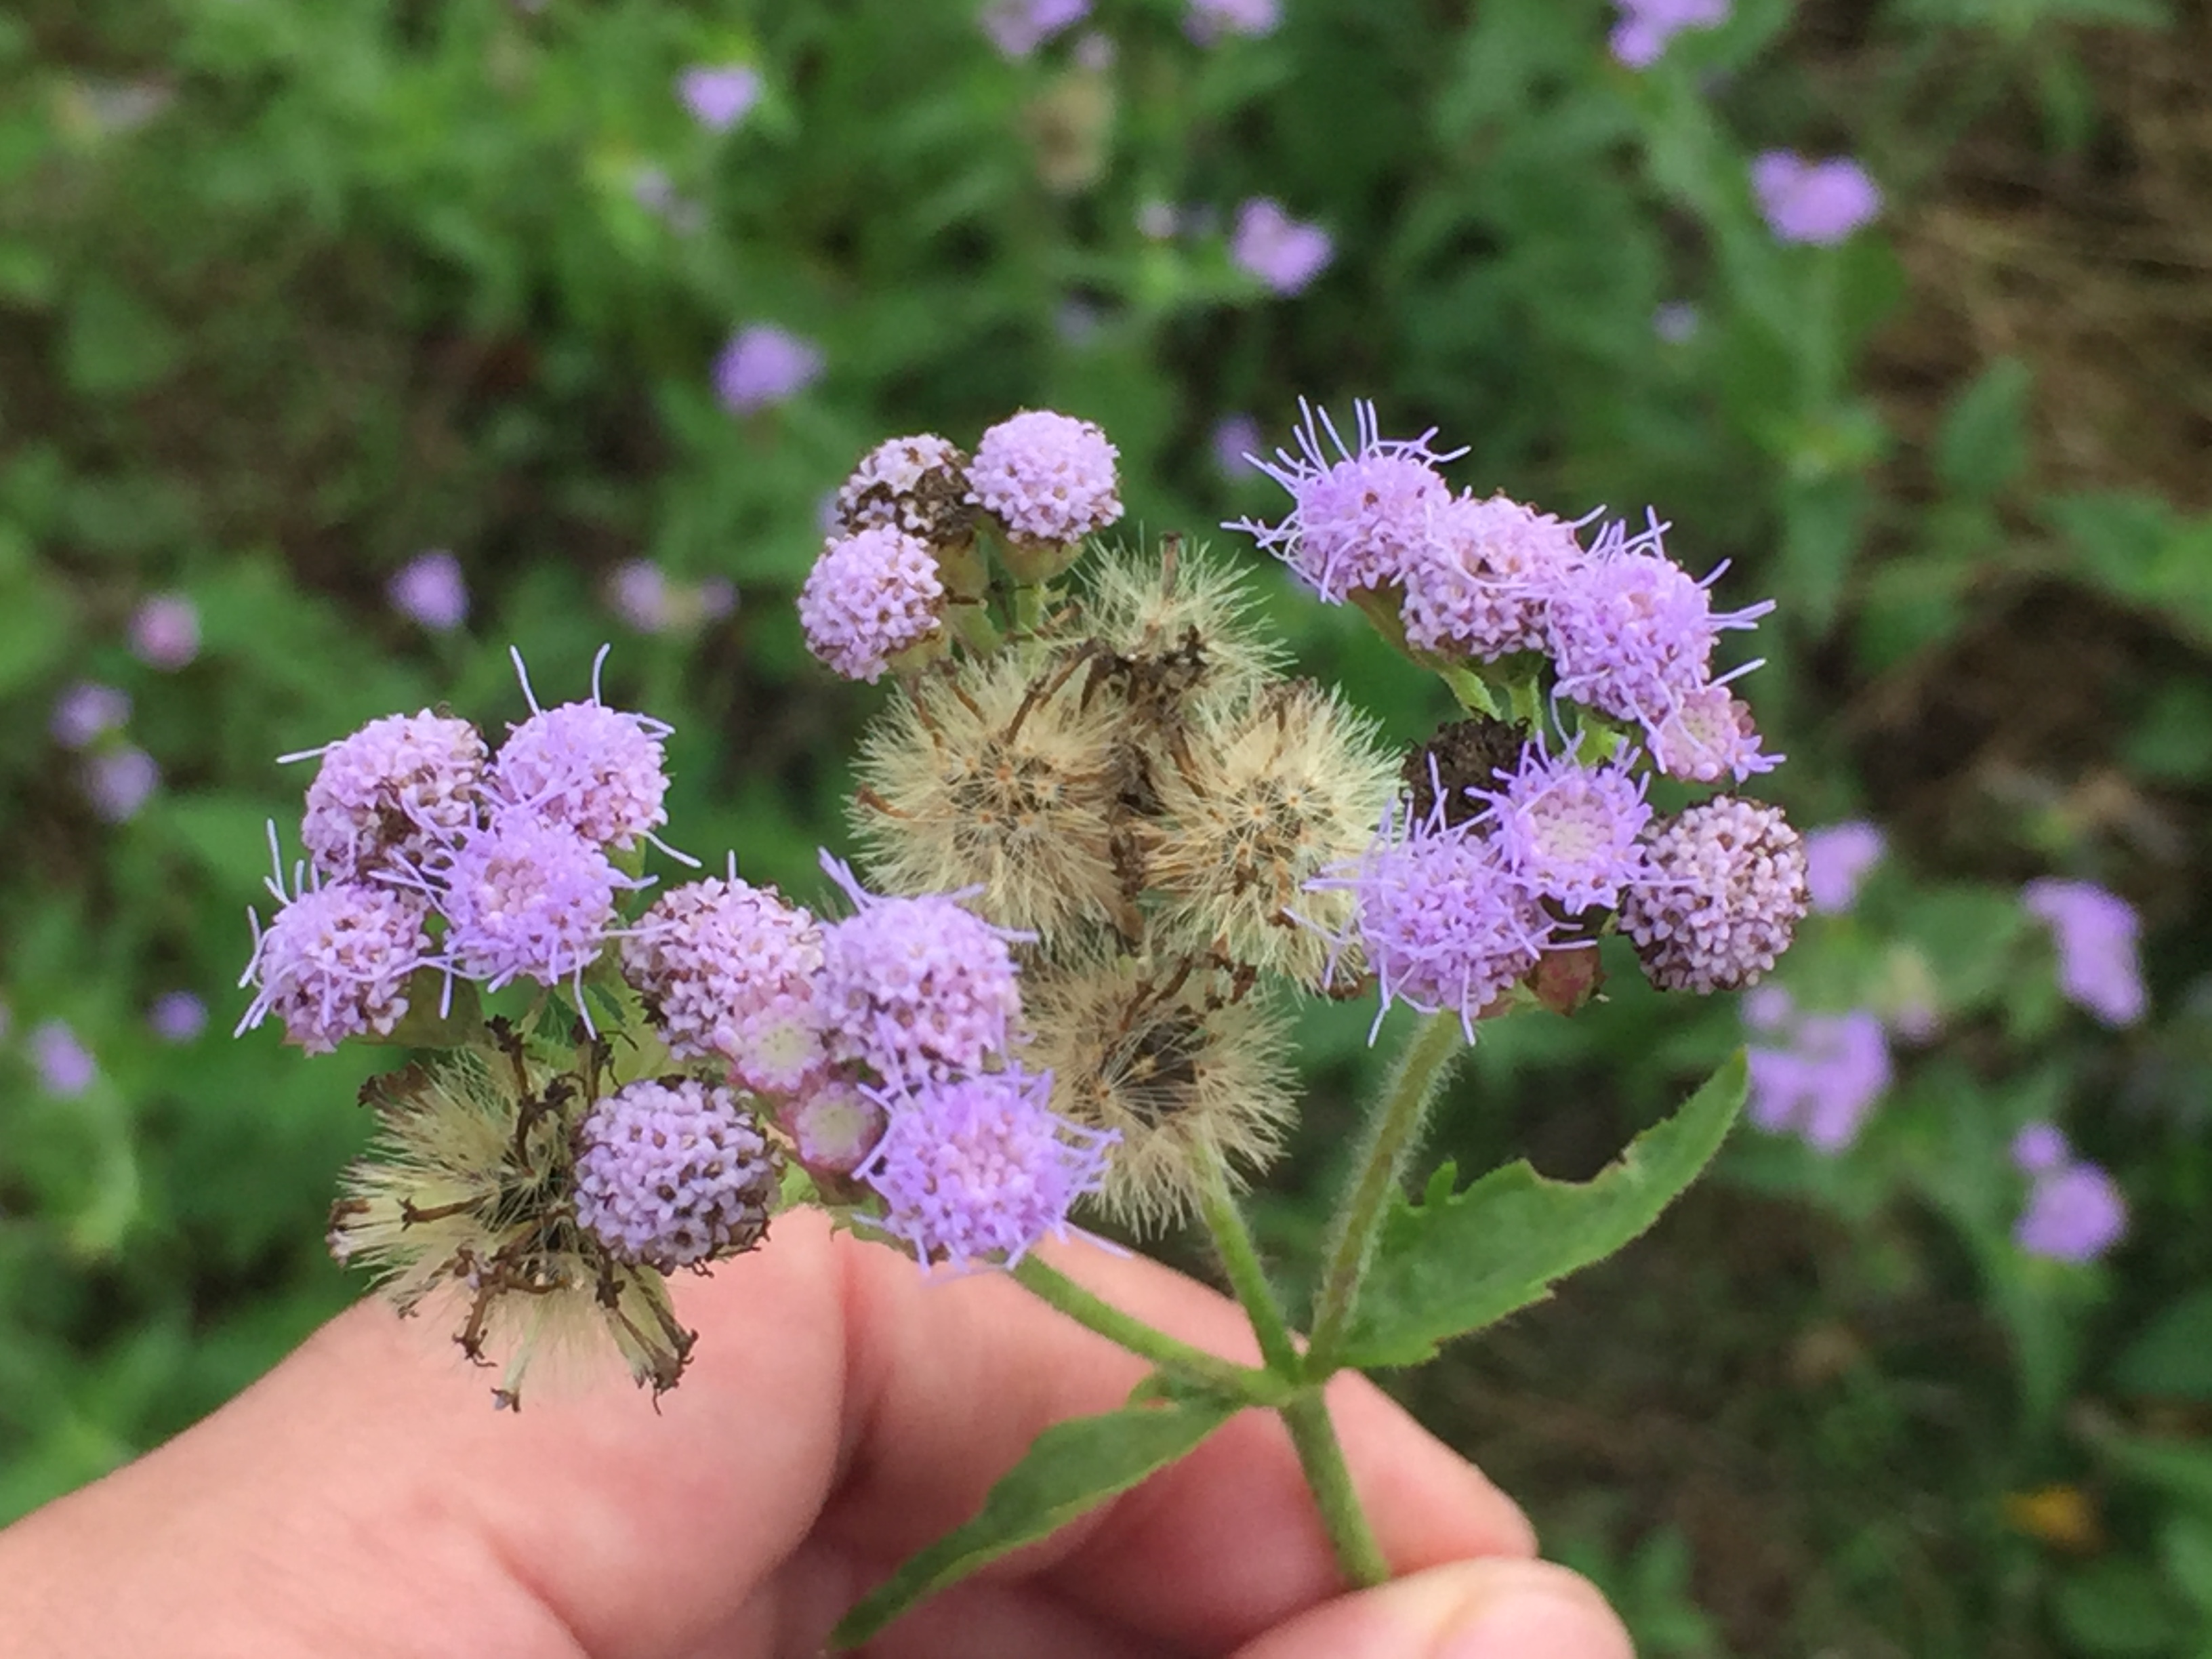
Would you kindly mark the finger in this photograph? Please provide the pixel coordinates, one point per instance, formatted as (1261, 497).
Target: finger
(1495, 1609)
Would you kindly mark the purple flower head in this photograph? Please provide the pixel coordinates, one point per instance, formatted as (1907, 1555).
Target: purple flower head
(165, 632)
(672, 1172)
(1706, 735)
(1632, 631)
(118, 781)
(1018, 28)
(1480, 584)
(763, 365)
(1646, 26)
(2040, 1149)
(976, 1170)
(1822, 1085)
(728, 969)
(334, 961)
(526, 898)
(2095, 932)
(429, 589)
(916, 988)
(1210, 19)
(2075, 1213)
(1816, 202)
(868, 597)
(1444, 923)
(835, 1127)
(1047, 477)
(1236, 441)
(599, 771)
(1360, 519)
(88, 712)
(638, 592)
(719, 95)
(1283, 252)
(1722, 893)
(177, 1017)
(1837, 858)
(1568, 831)
(65, 1067)
(391, 792)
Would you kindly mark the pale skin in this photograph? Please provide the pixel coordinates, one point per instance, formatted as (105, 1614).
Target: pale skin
(364, 1500)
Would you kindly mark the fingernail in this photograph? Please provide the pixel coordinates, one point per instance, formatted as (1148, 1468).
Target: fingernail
(1528, 1624)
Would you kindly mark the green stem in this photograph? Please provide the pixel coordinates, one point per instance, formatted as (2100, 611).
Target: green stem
(1392, 1132)
(1178, 1358)
(1323, 1458)
(1240, 1259)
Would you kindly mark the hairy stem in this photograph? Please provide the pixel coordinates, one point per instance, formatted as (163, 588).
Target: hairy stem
(1393, 1131)
(1240, 1259)
(1176, 1357)
(1323, 1458)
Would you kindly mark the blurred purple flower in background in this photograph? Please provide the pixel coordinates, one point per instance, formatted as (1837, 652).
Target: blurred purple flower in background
(177, 1017)
(1283, 252)
(719, 95)
(429, 589)
(1095, 53)
(1646, 27)
(2040, 1148)
(1158, 221)
(118, 783)
(1209, 20)
(763, 365)
(1675, 321)
(638, 593)
(165, 632)
(652, 189)
(2075, 1210)
(1836, 860)
(1018, 28)
(1235, 438)
(65, 1064)
(2095, 931)
(1825, 1077)
(86, 712)
(1817, 202)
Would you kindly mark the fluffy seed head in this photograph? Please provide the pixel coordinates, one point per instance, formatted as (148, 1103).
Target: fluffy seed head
(1724, 891)
(1480, 584)
(914, 987)
(1444, 923)
(727, 970)
(1570, 830)
(1048, 479)
(1157, 1054)
(870, 596)
(918, 486)
(334, 962)
(391, 792)
(976, 1170)
(525, 898)
(1182, 622)
(1706, 735)
(1360, 518)
(671, 1173)
(1259, 806)
(996, 772)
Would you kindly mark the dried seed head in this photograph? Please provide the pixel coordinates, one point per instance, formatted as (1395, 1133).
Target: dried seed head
(917, 485)
(1179, 625)
(1256, 809)
(1154, 1052)
(467, 1198)
(995, 772)
(1464, 755)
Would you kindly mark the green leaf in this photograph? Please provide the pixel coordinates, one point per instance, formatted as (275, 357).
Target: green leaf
(1983, 445)
(1456, 1262)
(1070, 1468)
(2173, 1357)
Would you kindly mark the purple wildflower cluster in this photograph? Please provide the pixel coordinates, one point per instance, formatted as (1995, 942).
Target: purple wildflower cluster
(1018, 28)
(1814, 1075)
(762, 365)
(430, 589)
(719, 95)
(1816, 202)
(901, 547)
(2095, 931)
(1523, 851)
(1641, 36)
(1208, 21)
(671, 1172)
(414, 829)
(1283, 252)
(2075, 1210)
(116, 775)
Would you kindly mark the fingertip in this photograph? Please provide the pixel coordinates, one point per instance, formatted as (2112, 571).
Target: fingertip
(1495, 1608)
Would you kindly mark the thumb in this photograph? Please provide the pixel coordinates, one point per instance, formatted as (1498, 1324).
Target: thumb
(1489, 1609)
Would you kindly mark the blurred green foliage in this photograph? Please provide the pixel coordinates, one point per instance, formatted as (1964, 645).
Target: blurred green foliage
(292, 293)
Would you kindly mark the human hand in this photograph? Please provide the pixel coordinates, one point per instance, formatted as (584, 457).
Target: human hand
(841, 1410)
